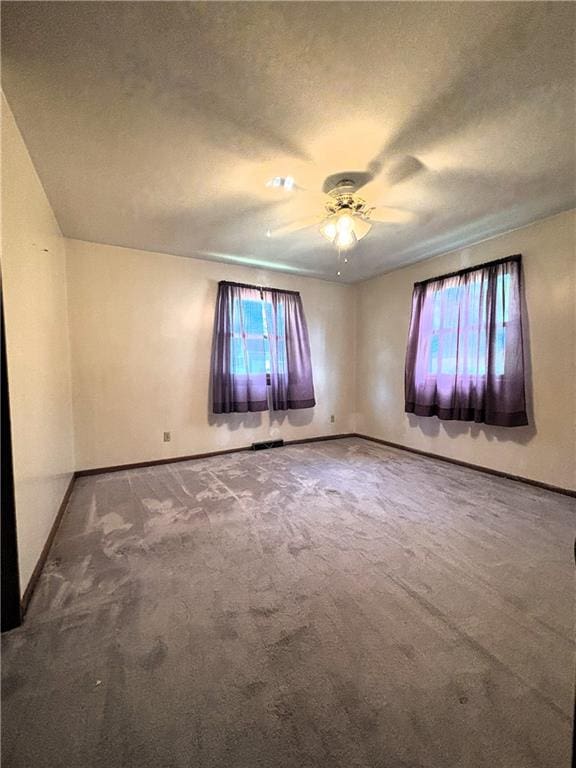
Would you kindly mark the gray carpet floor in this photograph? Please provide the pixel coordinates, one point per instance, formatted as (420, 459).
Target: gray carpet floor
(331, 605)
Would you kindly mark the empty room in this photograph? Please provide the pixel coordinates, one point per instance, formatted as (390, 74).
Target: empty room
(288, 384)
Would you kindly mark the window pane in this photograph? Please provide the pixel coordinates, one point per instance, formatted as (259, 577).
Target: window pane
(458, 339)
(475, 294)
(437, 310)
(476, 352)
(450, 307)
(251, 354)
(502, 298)
(448, 348)
(249, 349)
(282, 361)
(278, 329)
(256, 355)
(252, 317)
(433, 364)
(238, 360)
(482, 352)
(500, 351)
(236, 317)
(280, 323)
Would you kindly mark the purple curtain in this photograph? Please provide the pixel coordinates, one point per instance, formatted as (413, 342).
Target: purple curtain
(260, 347)
(464, 358)
(238, 351)
(291, 381)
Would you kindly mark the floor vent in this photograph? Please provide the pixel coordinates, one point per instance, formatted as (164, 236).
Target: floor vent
(267, 444)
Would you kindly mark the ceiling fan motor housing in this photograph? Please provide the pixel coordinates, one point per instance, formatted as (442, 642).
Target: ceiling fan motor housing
(347, 201)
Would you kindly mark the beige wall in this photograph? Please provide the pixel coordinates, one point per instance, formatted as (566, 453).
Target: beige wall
(34, 291)
(141, 331)
(545, 450)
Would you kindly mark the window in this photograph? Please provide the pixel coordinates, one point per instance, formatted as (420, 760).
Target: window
(465, 358)
(457, 313)
(253, 332)
(260, 351)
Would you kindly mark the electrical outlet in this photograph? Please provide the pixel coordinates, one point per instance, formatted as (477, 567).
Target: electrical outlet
(166, 437)
(332, 419)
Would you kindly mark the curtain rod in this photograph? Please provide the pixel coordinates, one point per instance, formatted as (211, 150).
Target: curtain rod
(257, 287)
(457, 273)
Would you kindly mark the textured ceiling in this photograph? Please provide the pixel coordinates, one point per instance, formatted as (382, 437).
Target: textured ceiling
(155, 125)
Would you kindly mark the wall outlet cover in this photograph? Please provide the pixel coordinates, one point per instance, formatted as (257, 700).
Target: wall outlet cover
(166, 437)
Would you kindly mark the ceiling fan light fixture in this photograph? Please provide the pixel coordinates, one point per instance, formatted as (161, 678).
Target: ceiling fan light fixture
(328, 230)
(345, 239)
(343, 229)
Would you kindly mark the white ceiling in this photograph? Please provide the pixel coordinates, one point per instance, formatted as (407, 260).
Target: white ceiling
(155, 125)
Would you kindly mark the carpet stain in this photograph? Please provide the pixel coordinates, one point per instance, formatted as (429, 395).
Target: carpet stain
(264, 611)
(250, 690)
(155, 656)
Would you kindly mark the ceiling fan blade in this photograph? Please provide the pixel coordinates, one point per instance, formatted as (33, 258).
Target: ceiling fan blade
(375, 190)
(406, 168)
(384, 215)
(296, 226)
(385, 175)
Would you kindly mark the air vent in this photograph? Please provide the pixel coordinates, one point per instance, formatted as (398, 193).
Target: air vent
(267, 444)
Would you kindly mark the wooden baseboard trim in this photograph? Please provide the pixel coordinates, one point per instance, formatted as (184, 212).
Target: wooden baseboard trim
(319, 439)
(156, 462)
(477, 467)
(194, 456)
(31, 586)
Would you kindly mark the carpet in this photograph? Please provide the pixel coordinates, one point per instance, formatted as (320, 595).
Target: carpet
(330, 605)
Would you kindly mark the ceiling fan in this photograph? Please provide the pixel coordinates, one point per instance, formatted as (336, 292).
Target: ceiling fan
(347, 217)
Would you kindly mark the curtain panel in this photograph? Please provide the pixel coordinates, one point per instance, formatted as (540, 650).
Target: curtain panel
(261, 351)
(238, 375)
(464, 358)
